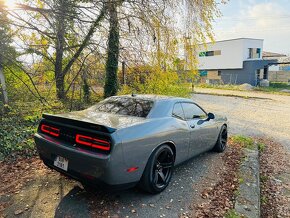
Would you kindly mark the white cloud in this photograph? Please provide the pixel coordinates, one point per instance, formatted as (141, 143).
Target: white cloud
(268, 21)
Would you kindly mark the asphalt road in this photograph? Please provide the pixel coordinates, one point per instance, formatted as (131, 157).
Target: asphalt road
(51, 195)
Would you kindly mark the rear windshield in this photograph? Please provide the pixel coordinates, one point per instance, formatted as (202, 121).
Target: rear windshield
(126, 106)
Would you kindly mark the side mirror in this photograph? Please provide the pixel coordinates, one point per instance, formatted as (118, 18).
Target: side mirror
(210, 116)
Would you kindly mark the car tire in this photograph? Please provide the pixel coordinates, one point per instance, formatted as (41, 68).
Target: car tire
(158, 171)
(221, 143)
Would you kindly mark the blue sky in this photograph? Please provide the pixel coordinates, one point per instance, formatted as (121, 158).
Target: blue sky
(264, 19)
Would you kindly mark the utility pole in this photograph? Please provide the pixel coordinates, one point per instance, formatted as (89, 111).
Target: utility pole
(123, 72)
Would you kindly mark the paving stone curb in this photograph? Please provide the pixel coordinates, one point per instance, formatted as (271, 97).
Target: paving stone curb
(248, 194)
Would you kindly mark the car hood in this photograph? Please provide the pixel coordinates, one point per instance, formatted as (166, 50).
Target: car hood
(106, 119)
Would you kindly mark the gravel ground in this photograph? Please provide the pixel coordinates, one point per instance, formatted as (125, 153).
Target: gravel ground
(255, 114)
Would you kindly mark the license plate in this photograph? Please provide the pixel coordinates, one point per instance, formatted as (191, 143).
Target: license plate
(61, 163)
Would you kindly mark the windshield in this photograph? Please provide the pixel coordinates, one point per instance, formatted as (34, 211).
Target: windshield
(126, 106)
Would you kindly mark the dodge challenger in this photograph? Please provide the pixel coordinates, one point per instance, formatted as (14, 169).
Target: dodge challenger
(127, 140)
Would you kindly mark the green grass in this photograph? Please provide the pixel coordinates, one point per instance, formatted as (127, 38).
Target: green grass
(279, 86)
(232, 214)
(261, 147)
(244, 141)
(264, 200)
(241, 180)
(216, 86)
(264, 178)
(274, 87)
(237, 193)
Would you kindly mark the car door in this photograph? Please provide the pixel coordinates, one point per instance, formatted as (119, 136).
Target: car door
(182, 134)
(201, 129)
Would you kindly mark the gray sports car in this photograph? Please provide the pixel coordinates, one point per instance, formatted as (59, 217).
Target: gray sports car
(129, 140)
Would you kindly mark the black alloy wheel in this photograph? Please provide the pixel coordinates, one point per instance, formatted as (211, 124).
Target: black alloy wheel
(158, 171)
(224, 138)
(221, 143)
(162, 169)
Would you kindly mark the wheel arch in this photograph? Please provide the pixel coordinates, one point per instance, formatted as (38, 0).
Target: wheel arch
(171, 144)
(221, 126)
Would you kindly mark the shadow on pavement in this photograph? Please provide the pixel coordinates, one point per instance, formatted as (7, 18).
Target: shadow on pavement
(134, 202)
(73, 204)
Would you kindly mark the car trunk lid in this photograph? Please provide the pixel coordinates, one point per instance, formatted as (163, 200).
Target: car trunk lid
(85, 129)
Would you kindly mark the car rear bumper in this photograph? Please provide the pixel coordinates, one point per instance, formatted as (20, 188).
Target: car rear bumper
(84, 166)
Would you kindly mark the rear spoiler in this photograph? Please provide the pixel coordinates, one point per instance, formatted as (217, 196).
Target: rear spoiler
(78, 123)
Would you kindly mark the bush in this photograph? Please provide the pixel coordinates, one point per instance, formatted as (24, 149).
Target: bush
(154, 81)
(16, 133)
(20, 123)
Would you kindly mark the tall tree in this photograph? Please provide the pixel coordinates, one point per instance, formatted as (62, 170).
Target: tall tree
(6, 50)
(111, 84)
(60, 69)
(62, 30)
(63, 8)
(148, 28)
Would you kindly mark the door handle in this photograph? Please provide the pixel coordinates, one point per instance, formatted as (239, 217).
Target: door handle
(192, 126)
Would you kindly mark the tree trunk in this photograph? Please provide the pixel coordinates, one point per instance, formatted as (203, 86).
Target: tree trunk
(59, 47)
(111, 84)
(3, 86)
(59, 76)
(86, 87)
(60, 69)
(60, 93)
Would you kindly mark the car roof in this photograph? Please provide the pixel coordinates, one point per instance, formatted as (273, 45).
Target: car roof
(155, 97)
(163, 105)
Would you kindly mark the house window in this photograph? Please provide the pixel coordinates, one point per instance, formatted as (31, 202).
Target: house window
(250, 53)
(219, 73)
(254, 53)
(258, 52)
(209, 53)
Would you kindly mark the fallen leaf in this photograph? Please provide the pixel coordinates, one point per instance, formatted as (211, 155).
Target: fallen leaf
(17, 212)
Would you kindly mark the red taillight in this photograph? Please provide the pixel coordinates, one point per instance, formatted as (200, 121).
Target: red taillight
(132, 169)
(93, 142)
(50, 130)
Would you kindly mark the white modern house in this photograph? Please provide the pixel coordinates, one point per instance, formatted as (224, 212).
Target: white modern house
(233, 61)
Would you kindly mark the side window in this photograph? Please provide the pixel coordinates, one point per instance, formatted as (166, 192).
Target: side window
(192, 111)
(178, 111)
